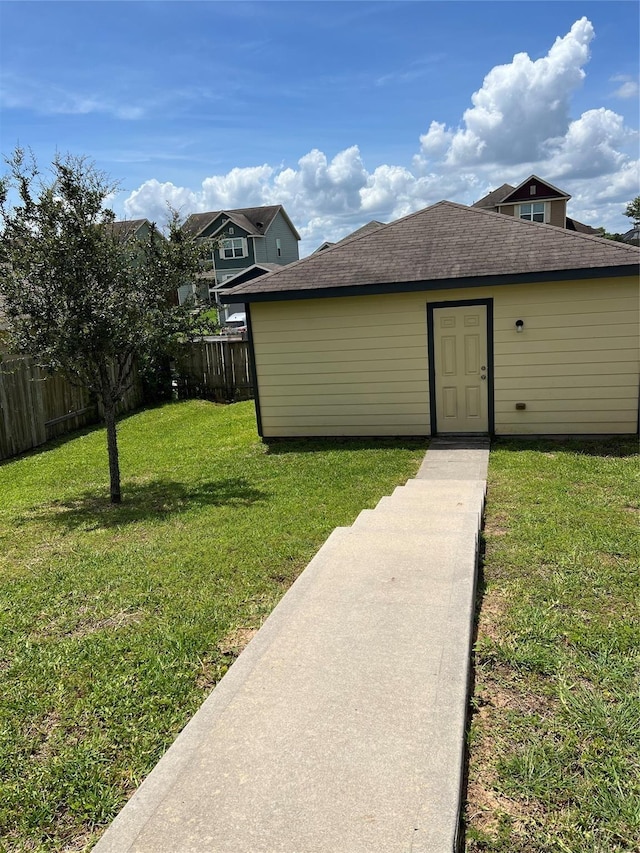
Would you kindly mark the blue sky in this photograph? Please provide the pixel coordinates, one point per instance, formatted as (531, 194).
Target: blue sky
(342, 111)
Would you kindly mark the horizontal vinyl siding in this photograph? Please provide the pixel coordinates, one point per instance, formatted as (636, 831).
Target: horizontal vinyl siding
(575, 364)
(341, 367)
(358, 365)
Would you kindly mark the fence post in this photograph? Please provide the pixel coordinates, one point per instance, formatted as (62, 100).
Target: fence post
(227, 360)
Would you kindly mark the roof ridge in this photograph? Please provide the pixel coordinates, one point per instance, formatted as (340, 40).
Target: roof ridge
(561, 232)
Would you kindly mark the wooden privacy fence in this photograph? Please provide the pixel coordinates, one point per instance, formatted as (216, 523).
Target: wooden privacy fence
(36, 406)
(214, 369)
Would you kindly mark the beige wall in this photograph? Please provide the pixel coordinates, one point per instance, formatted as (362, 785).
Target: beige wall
(358, 365)
(558, 213)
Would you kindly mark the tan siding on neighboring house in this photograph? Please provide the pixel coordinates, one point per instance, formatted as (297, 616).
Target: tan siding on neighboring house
(558, 213)
(358, 365)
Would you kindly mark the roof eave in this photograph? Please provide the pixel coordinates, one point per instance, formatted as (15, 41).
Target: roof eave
(560, 194)
(287, 220)
(617, 271)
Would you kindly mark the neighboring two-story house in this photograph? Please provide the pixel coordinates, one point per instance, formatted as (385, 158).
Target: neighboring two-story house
(132, 229)
(252, 238)
(534, 200)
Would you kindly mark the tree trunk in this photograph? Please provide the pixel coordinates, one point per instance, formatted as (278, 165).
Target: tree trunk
(112, 447)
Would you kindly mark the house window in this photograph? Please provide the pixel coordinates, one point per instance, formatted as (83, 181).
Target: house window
(533, 212)
(234, 247)
(278, 247)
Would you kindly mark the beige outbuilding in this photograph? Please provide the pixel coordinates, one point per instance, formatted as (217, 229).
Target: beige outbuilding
(453, 320)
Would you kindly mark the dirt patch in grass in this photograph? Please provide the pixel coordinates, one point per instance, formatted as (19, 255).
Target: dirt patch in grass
(496, 525)
(235, 641)
(44, 731)
(122, 619)
(487, 809)
(492, 611)
(228, 649)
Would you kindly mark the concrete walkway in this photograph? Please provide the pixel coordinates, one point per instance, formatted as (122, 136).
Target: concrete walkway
(340, 728)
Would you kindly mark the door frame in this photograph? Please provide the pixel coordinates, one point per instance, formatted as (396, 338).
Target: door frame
(460, 303)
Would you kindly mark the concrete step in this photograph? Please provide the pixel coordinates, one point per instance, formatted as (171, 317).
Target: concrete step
(401, 519)
(445, 489)
(433, 503)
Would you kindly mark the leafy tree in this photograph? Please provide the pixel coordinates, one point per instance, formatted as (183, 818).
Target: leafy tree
(618, 238)
(78, 297)
(633, 210)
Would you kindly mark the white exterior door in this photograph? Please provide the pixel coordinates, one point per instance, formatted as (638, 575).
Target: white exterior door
(460, 362)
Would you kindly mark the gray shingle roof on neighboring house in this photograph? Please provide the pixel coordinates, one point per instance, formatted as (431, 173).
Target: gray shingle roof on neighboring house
(249, 273)
(574, 225)
(255, 220)
(127, 228)
(445, 245)
(494, 198)
(364, 229)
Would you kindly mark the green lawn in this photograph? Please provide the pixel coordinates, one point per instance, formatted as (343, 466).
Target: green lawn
(115, 622)
(555, 732)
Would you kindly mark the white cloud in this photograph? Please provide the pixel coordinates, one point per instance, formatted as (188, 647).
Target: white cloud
(591, 145)
(153, 200)
(519, 107)
(519, 123)
(322, 187)
(238, 188)
(19, 92)
(629, 89)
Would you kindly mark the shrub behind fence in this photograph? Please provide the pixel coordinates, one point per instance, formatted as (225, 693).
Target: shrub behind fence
(214, 369)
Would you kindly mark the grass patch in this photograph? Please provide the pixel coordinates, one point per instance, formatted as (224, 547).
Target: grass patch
(554, 741)
(116, 621)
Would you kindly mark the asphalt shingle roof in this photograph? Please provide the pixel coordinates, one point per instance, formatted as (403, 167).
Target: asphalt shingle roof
(444, 242)
(254, 220)
(494, 198)
(126, 228)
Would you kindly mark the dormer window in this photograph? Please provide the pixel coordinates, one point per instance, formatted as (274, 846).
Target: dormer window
(533, 211)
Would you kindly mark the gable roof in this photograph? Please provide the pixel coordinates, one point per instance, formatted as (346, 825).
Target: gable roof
(364, 229)
(547, 191)
(256, 221)
(506, 194)
(494, 198)
(574, 225)
(126, 228)
(445, 245)
(247, 274)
